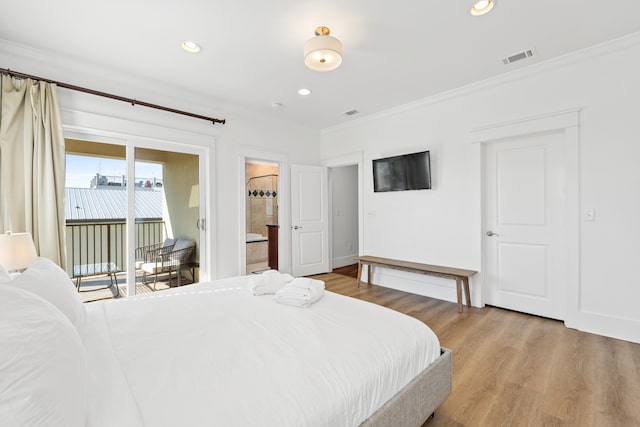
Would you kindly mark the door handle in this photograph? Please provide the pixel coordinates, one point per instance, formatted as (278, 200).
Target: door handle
(295, 227)
(491, 234)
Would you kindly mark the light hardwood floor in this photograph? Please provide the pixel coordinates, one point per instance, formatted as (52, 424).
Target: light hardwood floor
(513, 369)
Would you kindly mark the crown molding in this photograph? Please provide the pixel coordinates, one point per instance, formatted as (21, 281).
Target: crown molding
(568, 59)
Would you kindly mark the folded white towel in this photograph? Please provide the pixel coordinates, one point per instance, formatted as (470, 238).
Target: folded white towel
(257, 284)
(287, 278)
(301, 292)
(307, 283)
(268, 282)
(275, 281)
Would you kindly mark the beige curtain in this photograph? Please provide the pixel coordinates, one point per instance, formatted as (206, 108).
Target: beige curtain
(32, 165)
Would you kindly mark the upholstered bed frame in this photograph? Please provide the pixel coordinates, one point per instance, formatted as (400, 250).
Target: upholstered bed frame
(418, 400)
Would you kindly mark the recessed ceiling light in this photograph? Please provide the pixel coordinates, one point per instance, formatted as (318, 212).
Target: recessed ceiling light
(276, 105)
(304, 92)
(481, 7)
(191, 47)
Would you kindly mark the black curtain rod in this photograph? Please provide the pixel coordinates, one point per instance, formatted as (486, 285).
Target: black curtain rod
(111, 96)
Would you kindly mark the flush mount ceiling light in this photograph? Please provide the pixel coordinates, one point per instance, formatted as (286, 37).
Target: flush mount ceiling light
(481, 7)
(304, 92)
(323, 52)
(191, 47)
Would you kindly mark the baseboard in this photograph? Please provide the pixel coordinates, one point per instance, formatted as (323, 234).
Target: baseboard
(344, 261)
(609, 326)
(415, 283)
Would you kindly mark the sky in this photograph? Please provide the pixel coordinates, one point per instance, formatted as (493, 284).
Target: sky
(80, 169)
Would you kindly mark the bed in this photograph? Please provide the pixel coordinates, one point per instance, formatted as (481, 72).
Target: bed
(213, 354)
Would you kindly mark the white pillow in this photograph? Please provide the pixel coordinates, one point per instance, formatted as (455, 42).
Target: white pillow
(45, 279)
(43, 366)
(4, 275)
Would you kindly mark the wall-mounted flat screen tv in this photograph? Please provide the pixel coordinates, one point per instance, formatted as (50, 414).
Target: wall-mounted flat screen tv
(406, 172)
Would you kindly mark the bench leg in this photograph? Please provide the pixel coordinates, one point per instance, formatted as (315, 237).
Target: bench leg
(459, 292)
(359, 273)
(369, 274)
(467, 294)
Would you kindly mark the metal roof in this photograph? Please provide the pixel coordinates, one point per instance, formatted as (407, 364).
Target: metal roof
(85, 204)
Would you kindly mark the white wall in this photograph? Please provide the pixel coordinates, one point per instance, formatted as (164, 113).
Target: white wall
(83, 112)
(443, 225)
(344, 214)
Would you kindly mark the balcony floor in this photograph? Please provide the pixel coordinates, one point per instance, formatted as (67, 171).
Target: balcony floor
(95, 288)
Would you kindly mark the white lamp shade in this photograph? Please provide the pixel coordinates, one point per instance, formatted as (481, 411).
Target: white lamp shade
(17, 251)
(323, 53)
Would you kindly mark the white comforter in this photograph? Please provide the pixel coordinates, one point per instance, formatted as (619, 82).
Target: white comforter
(212, 354)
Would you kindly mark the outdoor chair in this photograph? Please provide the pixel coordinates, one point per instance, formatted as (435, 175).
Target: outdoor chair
(168, 259)
(144, 253)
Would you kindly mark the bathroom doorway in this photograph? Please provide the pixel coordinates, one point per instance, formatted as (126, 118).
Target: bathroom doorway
(261, 193)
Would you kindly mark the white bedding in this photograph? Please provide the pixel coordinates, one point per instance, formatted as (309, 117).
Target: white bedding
(213, 354)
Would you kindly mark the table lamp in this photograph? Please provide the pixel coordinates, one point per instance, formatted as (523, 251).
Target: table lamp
(17, 251)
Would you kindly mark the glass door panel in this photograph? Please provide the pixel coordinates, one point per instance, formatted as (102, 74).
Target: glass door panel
(167, 219)
(96, 211)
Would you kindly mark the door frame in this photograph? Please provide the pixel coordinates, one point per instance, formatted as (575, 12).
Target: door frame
(567, 122)
(350, 159)
(207, 195)
(284, 233)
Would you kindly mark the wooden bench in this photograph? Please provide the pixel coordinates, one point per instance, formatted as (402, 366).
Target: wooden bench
(461, 276)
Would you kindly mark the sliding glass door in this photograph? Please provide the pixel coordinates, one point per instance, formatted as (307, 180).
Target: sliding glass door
(134, 216)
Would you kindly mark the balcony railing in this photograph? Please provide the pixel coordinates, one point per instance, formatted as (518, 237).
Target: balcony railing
(103, 243)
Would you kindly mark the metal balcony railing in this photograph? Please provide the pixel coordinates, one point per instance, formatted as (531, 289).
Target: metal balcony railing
(100, 246)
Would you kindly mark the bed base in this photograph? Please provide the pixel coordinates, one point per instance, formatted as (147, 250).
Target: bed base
(418, 400)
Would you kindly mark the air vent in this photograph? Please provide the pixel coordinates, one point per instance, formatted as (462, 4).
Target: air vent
(518, 56)
(352, 112)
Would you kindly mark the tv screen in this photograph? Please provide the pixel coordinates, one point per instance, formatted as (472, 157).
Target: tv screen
(406, 172)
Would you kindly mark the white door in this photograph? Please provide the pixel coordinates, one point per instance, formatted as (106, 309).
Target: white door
(309, 220)
(524, 240)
